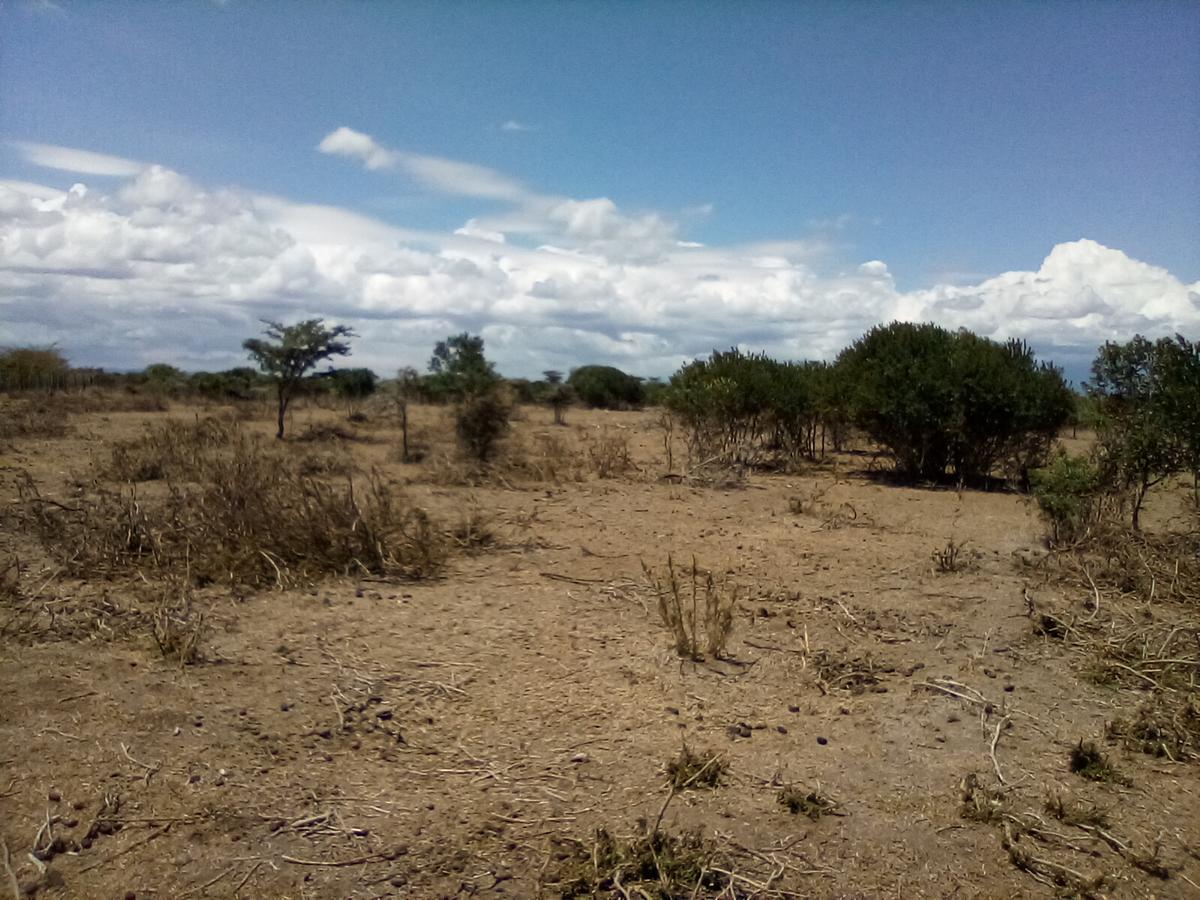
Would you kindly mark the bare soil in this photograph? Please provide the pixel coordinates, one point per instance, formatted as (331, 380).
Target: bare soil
(450, 737)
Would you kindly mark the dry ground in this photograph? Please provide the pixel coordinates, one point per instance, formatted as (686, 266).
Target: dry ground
(442, 738)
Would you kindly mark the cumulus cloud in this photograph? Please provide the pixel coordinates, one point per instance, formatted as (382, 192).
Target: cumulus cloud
(356, 145)
(160, 268)
(68, 159)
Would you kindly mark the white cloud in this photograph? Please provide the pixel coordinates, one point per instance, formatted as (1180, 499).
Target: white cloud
(68, 159)
(356, 145)
(514, 125)
(161, 268)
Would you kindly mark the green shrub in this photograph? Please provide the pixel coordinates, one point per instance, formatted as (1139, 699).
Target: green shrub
(480, 421)
(748, 408)
(939, 400)
(1148, 415)
(1068, 493)
(605, 387)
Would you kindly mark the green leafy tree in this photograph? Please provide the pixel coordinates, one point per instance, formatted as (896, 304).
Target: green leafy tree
(606, 387)
(1146, 397)
(290, 352)
(458, 367)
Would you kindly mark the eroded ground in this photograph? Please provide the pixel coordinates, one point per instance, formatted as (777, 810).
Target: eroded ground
(451, 737)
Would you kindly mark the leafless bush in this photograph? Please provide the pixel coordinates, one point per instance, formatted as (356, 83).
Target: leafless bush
(695, 607)
(951, 558)
(28, 419)
(177, 625)
(608, 455)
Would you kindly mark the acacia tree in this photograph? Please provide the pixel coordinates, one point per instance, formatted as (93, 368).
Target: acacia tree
(292, 351)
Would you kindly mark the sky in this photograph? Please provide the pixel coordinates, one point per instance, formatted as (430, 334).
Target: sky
(634, 184)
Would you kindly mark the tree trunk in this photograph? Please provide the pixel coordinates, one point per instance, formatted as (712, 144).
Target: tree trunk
(283, 402)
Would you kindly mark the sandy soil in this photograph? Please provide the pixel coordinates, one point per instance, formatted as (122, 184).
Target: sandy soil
(437, 739)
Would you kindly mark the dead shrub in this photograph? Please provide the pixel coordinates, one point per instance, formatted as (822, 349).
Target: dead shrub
(696, 608)
(692, 769)
(177, 450)
(250, 517)
(177, 625)
(608, 455)
(1165, 725)
(29, 420)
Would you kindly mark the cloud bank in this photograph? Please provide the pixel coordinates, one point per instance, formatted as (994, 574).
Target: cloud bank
(159, 268)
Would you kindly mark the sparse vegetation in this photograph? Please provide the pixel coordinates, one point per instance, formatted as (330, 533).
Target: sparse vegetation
(1087, 761)
(248, 517)
(696, 608)
(811, 803)
(695, 769)
(657, 862)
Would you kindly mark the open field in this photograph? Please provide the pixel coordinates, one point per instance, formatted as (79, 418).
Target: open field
(895, 670)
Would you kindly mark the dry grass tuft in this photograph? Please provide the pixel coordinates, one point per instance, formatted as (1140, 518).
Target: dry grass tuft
(649, 864)
(692, 769)
(608, 455)
(1077, 814)
(695, 607)
(1087, 761)
(951, 558)
(177, 625)
(813, 804)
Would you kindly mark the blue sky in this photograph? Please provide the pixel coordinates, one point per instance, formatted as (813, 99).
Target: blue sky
(956, 144)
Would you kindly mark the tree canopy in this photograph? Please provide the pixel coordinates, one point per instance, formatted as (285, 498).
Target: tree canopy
(290, 352)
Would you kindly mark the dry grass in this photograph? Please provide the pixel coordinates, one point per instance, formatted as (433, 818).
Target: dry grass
(608, 455)
(649, 864)
(178, 450)
(249, 516)
(28, 419)
(813, 804)
(696, 608)
(1166, 725)
(1087, 761)
(695, 769)
(178, 625)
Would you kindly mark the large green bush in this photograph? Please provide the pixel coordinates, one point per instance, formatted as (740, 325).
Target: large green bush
(1147, 396)
(750, 408)
(943, 401)
(606, 387)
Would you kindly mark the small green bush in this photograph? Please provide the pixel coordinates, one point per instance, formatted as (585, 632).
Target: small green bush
(480, 421)
(943, 401)
(1068, 493)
